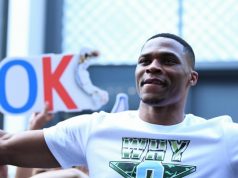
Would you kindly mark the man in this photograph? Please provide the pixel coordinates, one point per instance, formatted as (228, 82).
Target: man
(158, 140)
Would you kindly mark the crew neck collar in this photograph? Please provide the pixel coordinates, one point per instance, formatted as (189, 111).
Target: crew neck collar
(161, 127)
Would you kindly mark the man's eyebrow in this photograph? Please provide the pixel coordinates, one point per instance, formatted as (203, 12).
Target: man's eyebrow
(169, 54)
(145, 55)
(165, 53)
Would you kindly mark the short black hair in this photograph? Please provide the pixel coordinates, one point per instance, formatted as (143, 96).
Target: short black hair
(187, 47)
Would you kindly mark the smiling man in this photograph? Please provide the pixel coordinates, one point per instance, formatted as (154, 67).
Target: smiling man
(158, 140)
(164, 74)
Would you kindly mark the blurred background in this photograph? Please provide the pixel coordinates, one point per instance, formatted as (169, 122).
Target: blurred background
(118, 30)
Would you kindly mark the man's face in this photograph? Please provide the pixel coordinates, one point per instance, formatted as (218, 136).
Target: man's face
(163, 74)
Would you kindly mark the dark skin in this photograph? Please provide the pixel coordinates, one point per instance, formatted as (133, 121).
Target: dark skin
(26, 149)
(163, 78)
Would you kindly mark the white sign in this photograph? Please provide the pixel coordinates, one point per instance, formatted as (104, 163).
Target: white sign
(61, 80)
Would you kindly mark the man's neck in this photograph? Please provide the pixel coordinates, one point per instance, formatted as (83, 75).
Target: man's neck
(166, 115)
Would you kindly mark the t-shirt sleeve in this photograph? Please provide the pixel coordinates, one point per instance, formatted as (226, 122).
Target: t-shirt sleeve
(68, 140)
(231, 137)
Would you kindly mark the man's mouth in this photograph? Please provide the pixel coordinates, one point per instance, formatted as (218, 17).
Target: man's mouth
(155, 81)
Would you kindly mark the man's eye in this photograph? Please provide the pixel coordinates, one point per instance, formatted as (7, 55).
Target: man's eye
(170, 61)
(144, 61)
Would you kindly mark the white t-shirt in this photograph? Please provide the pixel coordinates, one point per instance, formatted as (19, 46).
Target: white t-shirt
(117, 145)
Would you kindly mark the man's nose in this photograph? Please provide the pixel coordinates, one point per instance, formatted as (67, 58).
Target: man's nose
(154, 67)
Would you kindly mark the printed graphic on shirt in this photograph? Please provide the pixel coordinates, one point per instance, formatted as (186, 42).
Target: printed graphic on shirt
(144, 159)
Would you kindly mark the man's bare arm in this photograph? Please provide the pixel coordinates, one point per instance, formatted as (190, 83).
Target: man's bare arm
(66, 173)
(26, 149)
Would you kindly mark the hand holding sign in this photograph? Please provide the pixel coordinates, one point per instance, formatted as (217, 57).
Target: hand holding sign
(38, 120)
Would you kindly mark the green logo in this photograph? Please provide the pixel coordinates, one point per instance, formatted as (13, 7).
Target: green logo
(145, 157)
(128, 170)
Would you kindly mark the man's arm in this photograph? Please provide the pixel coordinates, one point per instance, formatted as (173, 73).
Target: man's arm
(3, 171)
(65, 173)
(37, 121)
(26, 149)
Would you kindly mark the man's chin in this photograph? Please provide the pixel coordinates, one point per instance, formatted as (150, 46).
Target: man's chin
(152, 101)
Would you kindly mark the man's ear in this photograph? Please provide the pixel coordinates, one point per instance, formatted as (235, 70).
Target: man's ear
(193, 78)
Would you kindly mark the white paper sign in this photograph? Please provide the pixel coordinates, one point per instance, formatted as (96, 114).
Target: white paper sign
(61, 80)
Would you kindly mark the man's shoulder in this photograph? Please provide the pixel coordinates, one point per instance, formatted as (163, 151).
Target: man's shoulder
(218, 120)
(217, 126)
(222, 119)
